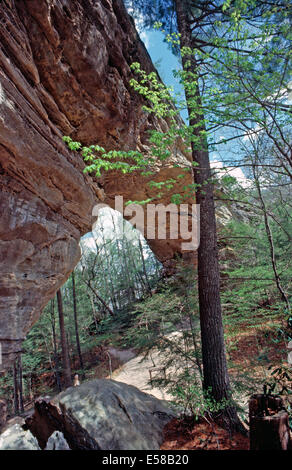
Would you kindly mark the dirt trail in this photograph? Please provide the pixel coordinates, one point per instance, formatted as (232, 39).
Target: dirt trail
(134, 372)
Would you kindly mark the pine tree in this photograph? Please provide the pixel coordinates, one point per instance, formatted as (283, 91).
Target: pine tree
(76, 323)
(64, 345)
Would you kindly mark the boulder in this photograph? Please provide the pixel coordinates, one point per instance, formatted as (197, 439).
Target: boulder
(14, 437)
(3, 412)
(104, 415)
(57, 442)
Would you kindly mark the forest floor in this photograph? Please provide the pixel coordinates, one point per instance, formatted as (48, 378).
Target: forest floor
(251, 351)
(178, 434)
(201, 435)
(250, 354)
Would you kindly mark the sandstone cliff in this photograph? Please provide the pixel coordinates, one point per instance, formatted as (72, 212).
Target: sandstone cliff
(64, 70)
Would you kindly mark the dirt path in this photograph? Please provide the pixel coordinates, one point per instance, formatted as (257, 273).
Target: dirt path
(134, 372)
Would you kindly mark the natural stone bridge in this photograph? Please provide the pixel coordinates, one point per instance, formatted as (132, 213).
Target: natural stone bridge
(64, 71)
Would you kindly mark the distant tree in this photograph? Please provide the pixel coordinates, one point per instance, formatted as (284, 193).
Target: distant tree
(16, 388)
(20, 383)
(67, 379)
(55, 348)
(76, 323)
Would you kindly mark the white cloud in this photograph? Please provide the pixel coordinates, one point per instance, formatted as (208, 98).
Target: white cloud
(236, 172)
(110, 225)
(145, 38)
(139, 23)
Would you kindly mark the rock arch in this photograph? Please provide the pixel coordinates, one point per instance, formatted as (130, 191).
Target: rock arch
(64, 71)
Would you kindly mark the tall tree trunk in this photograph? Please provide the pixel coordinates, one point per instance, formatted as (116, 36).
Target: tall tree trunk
(108, 271)
(127, 273)
(76, 325)
(15, 387)
(64, 346)
(30, 391)
(270, 238)
(93, 312)
(107, 308)
(136, 279)
(215, 371)
(144, 266)
(115, 263)
(56, 358)
(20, 383)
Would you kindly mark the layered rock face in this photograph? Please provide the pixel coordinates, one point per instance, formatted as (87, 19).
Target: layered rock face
(64, 71)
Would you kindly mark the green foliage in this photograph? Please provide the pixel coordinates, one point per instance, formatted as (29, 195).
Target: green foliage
(99, 159)
(280, 381)
(189, 397)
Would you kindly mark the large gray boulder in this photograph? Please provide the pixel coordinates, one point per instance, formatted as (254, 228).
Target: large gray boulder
(102, 414)
(57, 442)
(3, 412)
(16, 438)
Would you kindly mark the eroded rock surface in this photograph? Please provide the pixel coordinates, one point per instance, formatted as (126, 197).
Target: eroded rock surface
(14, 437)
(3, 412)
(57, 442)
(64, 70)
(103, 415)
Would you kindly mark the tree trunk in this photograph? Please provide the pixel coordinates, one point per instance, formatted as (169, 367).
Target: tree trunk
(107, 273)
(107, 308)
(144, 266)
(93, 312)
(15, 385)
(269, 233)
(20, 383)
(65, 356)
(76, 325)
(216, 379)
(269, 426)
(56, 358)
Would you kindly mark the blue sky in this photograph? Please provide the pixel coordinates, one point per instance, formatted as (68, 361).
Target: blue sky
(166, 62)
(161, 53)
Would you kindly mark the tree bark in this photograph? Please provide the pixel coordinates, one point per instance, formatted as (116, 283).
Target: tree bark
(216, 379)
(20, 383)
(107, 308)
(144, 266)
(65, 355)
(56, 358)
(15, 387)
(269, 233)
(76, 325)
(269, 426)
